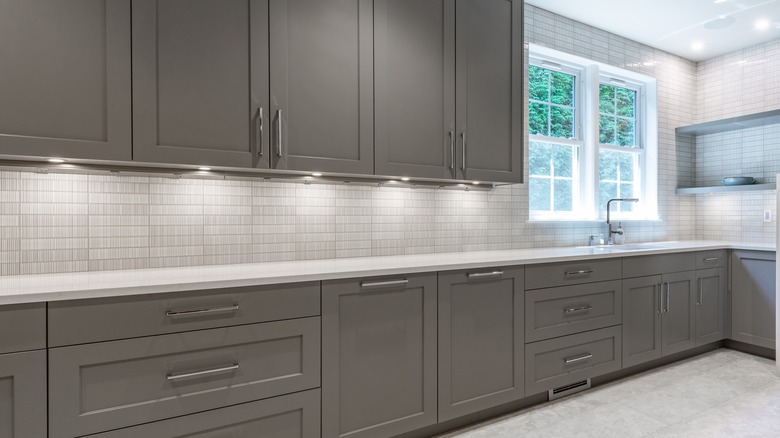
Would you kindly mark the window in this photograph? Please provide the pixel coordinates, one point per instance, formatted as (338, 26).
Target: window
(592, 137)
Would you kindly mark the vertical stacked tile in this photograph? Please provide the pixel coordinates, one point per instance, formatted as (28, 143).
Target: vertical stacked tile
(175, 222)
(419, 221)
(388, 219)
(315, 226)
(54, 223)
(10, 185)
(353, 221)
(118, 222)
(448, 220)
(227, 222)
(273, 221)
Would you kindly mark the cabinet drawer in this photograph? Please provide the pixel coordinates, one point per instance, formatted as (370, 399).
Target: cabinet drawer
(22, 327)
(561, 274)
(566, 310)
(294, 415)
(104, 386)
(642, 266)
(562, 361)
(95, 320)
(711, 259)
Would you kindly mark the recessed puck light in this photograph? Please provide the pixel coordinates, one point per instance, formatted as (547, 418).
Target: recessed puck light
(721, 22)
(56, 160)
(204, 169)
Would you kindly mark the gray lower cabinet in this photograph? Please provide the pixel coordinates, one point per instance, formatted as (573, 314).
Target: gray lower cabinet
(22, 327)
(110, 385)
(200, 82)
(480, 340)
(489, 90)
(753, 297)
(322, 85)
(658, 316)
(66, 87)
(23, 395)
(379, 356)
(288, 416)
(710, 305)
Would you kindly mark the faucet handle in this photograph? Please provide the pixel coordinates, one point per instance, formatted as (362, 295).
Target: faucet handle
(596, 240)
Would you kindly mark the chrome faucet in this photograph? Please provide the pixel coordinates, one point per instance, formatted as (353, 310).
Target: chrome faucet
(611, 232)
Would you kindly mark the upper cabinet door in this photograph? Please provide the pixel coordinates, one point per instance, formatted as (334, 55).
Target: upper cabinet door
(415, 87)
(489, 76)
(200, 82)
(322, 85)
(65, 75)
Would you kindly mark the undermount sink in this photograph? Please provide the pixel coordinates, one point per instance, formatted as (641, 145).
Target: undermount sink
(628, 247)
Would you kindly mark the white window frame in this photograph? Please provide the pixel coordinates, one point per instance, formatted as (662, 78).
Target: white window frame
(587, 113)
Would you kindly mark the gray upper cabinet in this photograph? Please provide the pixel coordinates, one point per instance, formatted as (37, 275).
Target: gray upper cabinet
(415, 87)
(23, 395)
(379, 356)
(200, 82)
(322, 85)
(489, 89)
(753, 297)
(480, 340)
(678, 316)
(65, 78)
(641, 319)
(710, 305)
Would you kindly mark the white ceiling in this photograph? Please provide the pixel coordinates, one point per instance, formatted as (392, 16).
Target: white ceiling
(676, 25)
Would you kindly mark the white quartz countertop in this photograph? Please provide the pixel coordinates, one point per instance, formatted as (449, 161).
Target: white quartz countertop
(57, 287)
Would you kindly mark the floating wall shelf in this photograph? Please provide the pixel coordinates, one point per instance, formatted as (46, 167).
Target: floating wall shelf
(731, 124)
(724, 189)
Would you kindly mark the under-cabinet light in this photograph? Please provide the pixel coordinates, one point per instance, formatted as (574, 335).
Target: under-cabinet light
(56, 160)
(204, 169)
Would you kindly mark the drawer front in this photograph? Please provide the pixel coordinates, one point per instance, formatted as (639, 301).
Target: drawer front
(711, 259)
(567, 310)
(96, 320)
(561, 274)
(642, 266)
(22, 327)
(104, 386)
(562, 361)
(294, 415)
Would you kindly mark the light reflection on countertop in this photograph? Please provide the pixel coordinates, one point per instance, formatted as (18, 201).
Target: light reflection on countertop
(68, 286)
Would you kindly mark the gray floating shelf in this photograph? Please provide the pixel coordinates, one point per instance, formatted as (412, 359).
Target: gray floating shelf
(731, 124)
(724, 189)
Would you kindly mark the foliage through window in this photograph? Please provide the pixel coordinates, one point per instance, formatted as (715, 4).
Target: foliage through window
(587, 139)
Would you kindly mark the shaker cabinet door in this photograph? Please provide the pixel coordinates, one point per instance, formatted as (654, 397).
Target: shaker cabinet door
(200, 82)
(65, 75)
(322, 87)
(710, 305)
(679, 317)
(753, 297)
(641, 319)
(415, 87)
(23, 395)
(489, 78)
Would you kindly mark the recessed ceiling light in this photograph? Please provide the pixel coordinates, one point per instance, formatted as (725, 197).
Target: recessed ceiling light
(720, 1)
(316, 174)
(721, 22)
(56, 160)
(204, 169)
(762, 24)
(698, 45)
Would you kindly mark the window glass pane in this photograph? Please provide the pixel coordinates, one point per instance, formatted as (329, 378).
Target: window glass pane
(539, 194)
(562, 88)
(563, 160)
(608, 165)
(606, 129)
(607, 191)
(539, 159)
(617, 119)
(538, 83)
(627, 191)
(562, 122)
(563, 195)
(606, 99)
(625, 132)
(626, 162)
(538, 123)
(625, 102)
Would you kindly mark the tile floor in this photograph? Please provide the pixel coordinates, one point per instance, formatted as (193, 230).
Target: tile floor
(723, 393)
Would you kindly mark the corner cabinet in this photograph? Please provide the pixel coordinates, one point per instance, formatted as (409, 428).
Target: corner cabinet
(449, 89)
(66, 84)
(480, 340)
(378, 356)
(753, 297)
(200, 82)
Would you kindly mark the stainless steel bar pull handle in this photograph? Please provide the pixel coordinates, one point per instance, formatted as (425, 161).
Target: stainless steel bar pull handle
(452, 150)
(390, 283)
(198, 312)
(711, 259)
(577, 358)
(580, 272)
(476, 275)
(279, 133)
(660, 297)
(261, 122)
(668, 288)
(463, 151)
(219, 370)
(584, 308)
(701, 293)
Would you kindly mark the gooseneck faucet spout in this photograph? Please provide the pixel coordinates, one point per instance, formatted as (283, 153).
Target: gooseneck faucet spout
(611, 232)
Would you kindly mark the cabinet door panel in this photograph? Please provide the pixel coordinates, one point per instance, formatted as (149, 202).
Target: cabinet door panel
(65, 72)
(710, 305)
(23, 395)
(489, 75)
(753, 298)
(195, 100)
(415, 87)
(641, 320)
(322, 85)
(679, 319)
(480, 341)
(379, 356)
